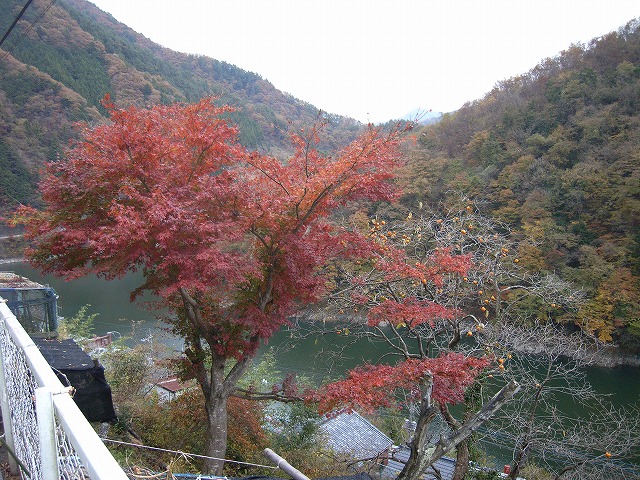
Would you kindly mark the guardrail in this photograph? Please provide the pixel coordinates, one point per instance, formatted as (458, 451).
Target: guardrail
(47, 436)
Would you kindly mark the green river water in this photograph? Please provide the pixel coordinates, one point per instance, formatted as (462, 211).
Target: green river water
(110, 300)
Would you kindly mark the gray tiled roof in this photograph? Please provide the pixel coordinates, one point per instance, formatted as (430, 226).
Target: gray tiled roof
(350, 433)
(444, 465)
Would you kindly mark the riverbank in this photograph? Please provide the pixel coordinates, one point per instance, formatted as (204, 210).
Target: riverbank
(582, 349)
(4, 261)
(606, 356)
(556, 341)
(12, 248)
(110, 299)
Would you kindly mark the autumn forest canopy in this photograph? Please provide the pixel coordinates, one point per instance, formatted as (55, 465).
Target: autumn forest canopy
(552, 152)
(241, 206)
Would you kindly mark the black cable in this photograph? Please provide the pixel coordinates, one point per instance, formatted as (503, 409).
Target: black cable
(24, 9)
(30, 25)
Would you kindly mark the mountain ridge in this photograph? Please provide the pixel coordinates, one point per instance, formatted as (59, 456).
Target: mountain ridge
(554, 154)
(62, 58)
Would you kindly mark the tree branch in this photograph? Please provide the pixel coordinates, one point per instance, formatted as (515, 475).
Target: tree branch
(471, 425)
(421, 457)
(263, 396)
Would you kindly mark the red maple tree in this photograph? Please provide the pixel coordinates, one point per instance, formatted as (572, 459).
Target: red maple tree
(373, 386)
(234, 241)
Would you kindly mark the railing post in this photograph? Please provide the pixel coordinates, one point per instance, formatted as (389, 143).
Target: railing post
(76, 446)
(47, 434)
(6, 411)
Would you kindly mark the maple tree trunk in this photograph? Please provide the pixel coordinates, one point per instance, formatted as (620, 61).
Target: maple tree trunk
(212, 382)
(217, 389)
(216, 441)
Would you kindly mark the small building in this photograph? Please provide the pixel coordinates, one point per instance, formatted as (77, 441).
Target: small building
(75, 368)
(170, 388)
(36, 308)
(99, 344)
(34, 305)
(351, 434)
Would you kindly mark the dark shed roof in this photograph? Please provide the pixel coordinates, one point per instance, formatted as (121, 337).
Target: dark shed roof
(74, 367)
(64, 354)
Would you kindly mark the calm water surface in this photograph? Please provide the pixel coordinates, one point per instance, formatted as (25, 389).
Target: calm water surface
(110, 300)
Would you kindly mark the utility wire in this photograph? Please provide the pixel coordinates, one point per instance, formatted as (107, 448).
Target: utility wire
(33, 24)
(24, 9)
(117, 442)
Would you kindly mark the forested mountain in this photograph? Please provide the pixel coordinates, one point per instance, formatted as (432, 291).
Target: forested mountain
(64, 56)
(555, 152)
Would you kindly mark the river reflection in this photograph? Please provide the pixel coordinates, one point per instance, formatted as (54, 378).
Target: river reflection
(312, 356)
(109, 299)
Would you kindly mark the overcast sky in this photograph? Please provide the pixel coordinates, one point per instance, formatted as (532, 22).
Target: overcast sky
(376, 59)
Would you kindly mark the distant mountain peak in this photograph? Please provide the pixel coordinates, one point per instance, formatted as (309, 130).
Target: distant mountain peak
(423, 116)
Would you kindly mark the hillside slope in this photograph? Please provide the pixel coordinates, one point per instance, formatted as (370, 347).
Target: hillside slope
(63, 57)
(556, 153)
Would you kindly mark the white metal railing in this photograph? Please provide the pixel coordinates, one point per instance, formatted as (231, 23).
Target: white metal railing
(47, 436)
